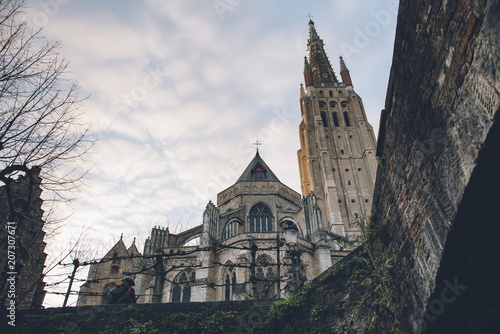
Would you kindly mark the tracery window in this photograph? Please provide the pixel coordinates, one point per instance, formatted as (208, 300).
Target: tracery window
(260, 218)
(230, 230)
(181, 289)
(229, 283)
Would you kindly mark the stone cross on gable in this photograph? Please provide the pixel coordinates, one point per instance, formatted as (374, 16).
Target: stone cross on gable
(257, 145)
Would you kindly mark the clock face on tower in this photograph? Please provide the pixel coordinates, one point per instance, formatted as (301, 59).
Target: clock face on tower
(325, 75)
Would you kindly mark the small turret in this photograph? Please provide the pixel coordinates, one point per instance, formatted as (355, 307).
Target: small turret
(308, 77)
(344, 73)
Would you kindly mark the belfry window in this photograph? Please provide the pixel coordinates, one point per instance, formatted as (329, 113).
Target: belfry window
(346, 118)
(335, 119)
(258, 172)
(181, 289)
(323, 118)
(260, 219)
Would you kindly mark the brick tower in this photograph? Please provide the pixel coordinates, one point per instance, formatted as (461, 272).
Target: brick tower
(337, 144)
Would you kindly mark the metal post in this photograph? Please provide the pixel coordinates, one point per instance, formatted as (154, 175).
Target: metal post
(278, 274)
(293, 253)
(159, 279)
(76, 264)
(252, 270)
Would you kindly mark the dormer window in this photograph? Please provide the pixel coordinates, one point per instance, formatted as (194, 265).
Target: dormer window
(258, 172)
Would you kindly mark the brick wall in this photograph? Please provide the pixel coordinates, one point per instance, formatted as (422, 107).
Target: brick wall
(442, 97)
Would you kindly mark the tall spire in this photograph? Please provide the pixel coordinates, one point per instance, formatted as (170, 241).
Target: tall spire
(344, 73)
(321, 69)
(313, 35)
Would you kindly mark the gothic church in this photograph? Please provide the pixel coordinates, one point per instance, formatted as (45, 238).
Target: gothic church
(242, 252)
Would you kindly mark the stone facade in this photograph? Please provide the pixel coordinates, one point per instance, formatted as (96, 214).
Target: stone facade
(241, 253)
(118, 263)
(23, 233)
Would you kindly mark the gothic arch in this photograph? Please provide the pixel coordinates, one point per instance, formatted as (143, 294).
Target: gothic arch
(231, 229)
(186, 236)
(181, 287)
(106, 292)
(290, 219)
(229, 281)
(260, 218)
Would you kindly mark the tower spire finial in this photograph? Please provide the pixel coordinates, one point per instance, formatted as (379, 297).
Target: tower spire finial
(257, 145)
(310, 20)
(343, 67)
(344, 73)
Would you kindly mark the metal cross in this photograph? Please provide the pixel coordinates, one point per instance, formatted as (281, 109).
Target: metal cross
(257, 145)
(309, 15)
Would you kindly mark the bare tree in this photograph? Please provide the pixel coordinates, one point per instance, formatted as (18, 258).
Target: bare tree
(42, 136)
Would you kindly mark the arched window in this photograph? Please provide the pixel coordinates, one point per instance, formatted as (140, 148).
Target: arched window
(265, 277)
(333, 104)
(260, 218)
(323, 118)
(331, 93)
(181, 289)
(229, 283)
(346, 118)
(230, 230)
(321, 94)
(335, 119)
(322, 105)
(106, 295)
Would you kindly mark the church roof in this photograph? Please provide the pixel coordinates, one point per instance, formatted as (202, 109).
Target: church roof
(257, 165)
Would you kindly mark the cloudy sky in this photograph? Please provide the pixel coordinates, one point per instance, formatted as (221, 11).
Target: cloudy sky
(179, 90)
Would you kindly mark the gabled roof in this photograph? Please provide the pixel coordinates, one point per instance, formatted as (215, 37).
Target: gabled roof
(118, 249)
(248, 176)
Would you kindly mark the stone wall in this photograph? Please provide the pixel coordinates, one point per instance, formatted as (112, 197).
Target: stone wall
(442, 98)
(24, 240)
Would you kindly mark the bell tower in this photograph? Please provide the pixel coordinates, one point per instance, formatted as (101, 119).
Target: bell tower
(337, 144)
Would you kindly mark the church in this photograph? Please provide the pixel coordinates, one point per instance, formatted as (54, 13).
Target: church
(261, 239)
